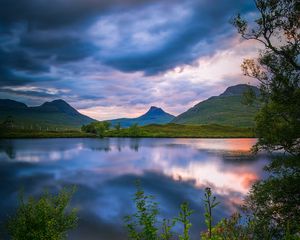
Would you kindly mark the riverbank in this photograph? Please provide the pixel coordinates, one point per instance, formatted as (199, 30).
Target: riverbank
(150, 131)
(44, 134)
(184, 131)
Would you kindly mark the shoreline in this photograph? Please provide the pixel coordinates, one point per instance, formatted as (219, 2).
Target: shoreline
(149, 131)
(94, 136)
(34, 137)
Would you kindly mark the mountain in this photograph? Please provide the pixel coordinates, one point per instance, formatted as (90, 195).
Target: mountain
(7, 104)
(225, 109)
(56, 114)
(238, 90)
(154, 115)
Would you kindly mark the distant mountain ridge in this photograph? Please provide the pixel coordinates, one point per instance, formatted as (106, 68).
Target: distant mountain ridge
(225, 109)
(7, 104)
(154, 115)
(55, 114)
(57, 106)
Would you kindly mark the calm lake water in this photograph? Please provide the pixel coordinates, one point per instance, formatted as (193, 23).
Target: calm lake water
(105, 170)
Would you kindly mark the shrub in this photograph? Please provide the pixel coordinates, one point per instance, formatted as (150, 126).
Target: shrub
(43, 218)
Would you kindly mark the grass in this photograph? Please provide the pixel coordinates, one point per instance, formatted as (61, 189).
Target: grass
(173, 130)
(170, 130)
(44, 134)
(54, 121)
(227, 111)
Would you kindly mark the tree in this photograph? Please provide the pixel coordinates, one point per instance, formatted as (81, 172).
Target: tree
(90, 128)
(106, 125)
(134, 130)
(118, 126)
(98, 128)
(273, 203)
(8, 123)
(278, 70)
(43, 218)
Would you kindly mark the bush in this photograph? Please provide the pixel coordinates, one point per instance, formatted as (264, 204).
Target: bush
(43, 218)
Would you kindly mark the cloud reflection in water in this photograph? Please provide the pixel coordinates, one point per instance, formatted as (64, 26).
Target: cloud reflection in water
(174, 170)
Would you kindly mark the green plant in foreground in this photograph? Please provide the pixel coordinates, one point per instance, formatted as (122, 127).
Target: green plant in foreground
(167, 229)
(43, 218)
(184, 214)
(230, 229)
(143, 224)
(210, 204)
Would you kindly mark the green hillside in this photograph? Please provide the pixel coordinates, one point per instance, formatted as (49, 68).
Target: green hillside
(226, 109)
(55, 115)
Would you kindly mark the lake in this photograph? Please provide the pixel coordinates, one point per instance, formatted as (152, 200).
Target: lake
(105, 171)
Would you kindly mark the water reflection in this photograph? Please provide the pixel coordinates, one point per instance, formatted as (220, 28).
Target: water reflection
(105, 170)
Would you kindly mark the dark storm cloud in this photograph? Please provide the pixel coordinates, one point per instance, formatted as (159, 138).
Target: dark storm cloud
(109, 53)
(7, 78)
(31, 93)
(205, 23)
(21, 60)
(56, 13)
(202, 33)
(28, 56)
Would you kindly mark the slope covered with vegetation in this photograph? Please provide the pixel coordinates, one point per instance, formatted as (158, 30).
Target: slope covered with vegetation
(55, 115)
(225, 109)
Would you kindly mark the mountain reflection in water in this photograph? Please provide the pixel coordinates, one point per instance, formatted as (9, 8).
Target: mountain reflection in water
(104, 170)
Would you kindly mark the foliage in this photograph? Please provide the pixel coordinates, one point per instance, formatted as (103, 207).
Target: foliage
(230, 228)
(117, 126)
(177, 130)
(167, 226)
(19, 133)
(106, 125)
(210, 204)
(169, 130)
(278, 70)
(98, 128)
(90, 128)
(134, 130)
(7, 124)
(143, 224)
(273, 203)
(43, 218)
(183, 218)
(276, 132)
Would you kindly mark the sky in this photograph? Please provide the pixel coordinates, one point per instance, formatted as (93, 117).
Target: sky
(116, 58)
